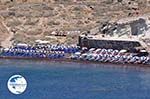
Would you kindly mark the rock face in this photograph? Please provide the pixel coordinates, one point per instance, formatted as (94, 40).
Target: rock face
(35, 19)
(135, 27)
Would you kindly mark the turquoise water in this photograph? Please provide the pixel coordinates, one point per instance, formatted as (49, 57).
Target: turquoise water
(59, 80)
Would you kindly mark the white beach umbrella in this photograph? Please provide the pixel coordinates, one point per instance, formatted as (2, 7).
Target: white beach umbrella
(22, 45)
(84, 48)
(6, 49)
(116, 51)
(104, 50)
(84, 54)
(143, 51)
(110, 50)
(97, 50)
(77, 53)
(92, 49)
(123, 51)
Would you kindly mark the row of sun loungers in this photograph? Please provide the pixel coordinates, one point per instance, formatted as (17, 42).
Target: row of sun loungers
(111, 56)
(38, 51)
(62, 51)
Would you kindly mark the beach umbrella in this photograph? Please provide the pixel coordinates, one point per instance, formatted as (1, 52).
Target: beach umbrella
(10, 49)
(143, 51)
(94, 56)
(132, 60)
(89, 57)
(84, 48)
(22, 45)
(117, 51)
(78, 53)
(83, 56)
(97, 57)
(6, 49)
(147, 60)
(104, 50)
(92, 49)
(110, 50)
(66, 49)
(100, 58)
(98, 50)
(123, 51)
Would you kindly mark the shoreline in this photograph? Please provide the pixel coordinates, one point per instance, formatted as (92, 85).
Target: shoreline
(77, 61)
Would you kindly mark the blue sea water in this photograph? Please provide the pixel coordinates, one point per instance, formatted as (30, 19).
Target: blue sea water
(69, 80)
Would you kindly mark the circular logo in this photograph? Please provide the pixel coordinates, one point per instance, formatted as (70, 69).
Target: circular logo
(17, 84)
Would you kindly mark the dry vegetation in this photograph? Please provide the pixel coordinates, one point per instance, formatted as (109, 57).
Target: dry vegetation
(35, 19)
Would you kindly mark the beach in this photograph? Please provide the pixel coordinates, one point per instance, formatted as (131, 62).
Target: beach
(74, 49)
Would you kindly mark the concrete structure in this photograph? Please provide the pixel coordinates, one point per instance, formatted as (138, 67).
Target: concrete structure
(111, 43)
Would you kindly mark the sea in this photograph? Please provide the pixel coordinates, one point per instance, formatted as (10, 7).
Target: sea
(72, 80)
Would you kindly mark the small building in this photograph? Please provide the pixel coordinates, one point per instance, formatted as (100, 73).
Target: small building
(108, 43)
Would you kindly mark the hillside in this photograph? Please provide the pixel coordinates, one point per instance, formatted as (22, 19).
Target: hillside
(28, 20)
